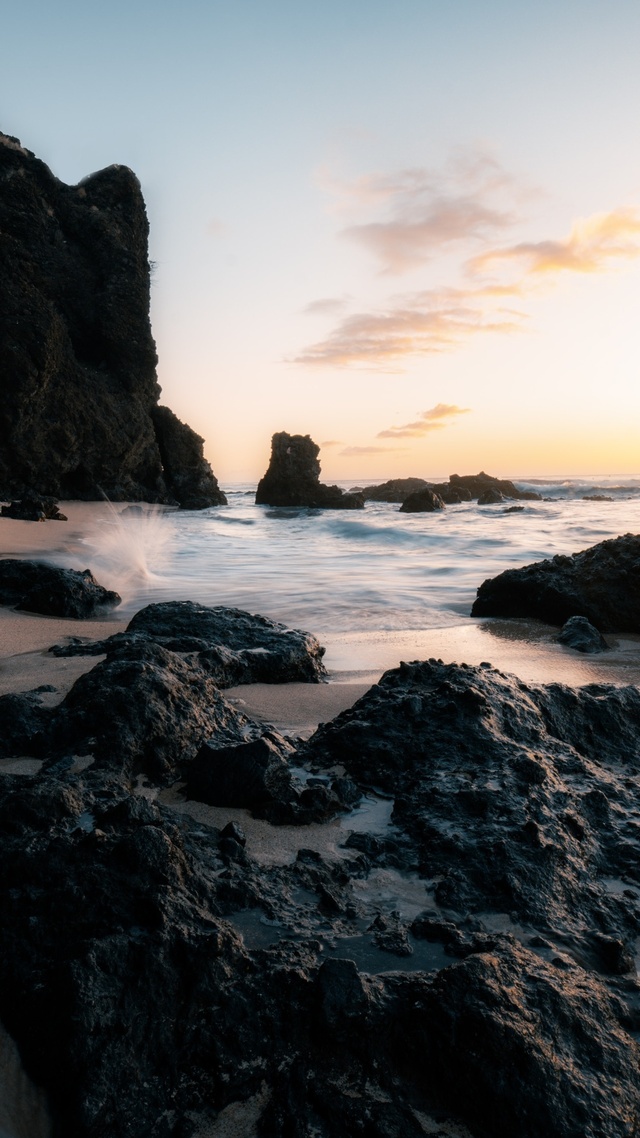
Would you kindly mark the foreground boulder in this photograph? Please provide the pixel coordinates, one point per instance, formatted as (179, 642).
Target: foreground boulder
(33, 509)
(580, 635)
(421, 502)
(47, 589)
(293, 477)
(233, 646)
(601, 583)
(77, 356)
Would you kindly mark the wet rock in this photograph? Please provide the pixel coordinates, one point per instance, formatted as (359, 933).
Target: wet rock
(478, 484)
(395, 490)
(293, 477)
(23, 724)
(579, 634)
(47, 589)
(491, 497)
(513, 509)
(76, 352)
(597, 498)
(34, 509)
(423, 501)
(599, 583)
(244, 775)
(233, 646)
(145, 710)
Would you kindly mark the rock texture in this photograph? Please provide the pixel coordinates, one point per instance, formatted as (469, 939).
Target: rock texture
(293, 477)
(161, 977)
(600, 583)
(52, 591)
(233, 646)
(77, 356)
(478, 484)
(580, 635)
(422, 501)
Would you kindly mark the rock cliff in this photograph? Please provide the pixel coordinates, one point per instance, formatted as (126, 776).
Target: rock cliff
(79, 415)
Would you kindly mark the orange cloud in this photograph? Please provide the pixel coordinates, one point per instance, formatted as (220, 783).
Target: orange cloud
(426, 323)
(593, 243)
(433, 420)
(356, 452)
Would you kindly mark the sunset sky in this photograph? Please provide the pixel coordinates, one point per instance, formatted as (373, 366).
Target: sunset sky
(409, 229)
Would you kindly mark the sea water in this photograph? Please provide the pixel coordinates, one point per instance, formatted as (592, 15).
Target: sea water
(361, 579)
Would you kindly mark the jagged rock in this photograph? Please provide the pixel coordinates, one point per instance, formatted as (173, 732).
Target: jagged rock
(47, 589)
(423, 501)
(600, 583)
(293, 477)
(579, 634)
(187, 474)
(23, 724)
(32, 509)
(246, 774)
(477, 484)
(77, 356)
(597, 498)
(395, 490)
(234, 646)
(513, 509)
(491, 497)
(145, 710)
(452, 494)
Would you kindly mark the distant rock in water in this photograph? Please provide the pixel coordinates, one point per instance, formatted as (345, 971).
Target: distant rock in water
(52, 591)
(293, 477)
(423, 501)
(77, 358)
(32, 509)
(395, 490)
(601, 583)
(491, 497)
(597, 498)
(579, 634)
(478, 484)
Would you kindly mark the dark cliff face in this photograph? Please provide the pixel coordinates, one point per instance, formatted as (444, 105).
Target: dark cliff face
(77, 358)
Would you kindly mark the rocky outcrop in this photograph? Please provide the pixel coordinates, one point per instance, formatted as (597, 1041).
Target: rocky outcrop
(77, 356)
(32, 509)
(600, 583)
(478, 484)
(47, 589)
(491, 497)
(162, 977)
(232, 646)
(293, 477)
(395, 490)
(422, 501)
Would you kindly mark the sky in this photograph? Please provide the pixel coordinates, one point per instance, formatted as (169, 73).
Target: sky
(409, 229)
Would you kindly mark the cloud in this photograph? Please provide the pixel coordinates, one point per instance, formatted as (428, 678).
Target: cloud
(356, 452)
(593, 243)
(423, 324)
(332, 443)
(426, 211)
(326, 306)
(435, 419)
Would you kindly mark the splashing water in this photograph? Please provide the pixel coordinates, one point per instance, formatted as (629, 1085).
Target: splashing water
(128, 550)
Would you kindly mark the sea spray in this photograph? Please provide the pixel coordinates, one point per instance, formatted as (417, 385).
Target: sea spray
(130, 549)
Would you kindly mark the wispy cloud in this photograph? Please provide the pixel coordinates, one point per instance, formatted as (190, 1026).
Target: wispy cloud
(356, 452)
(435, 419)
(326, 306)
(423, 324)
(591, 246)
(332, 443)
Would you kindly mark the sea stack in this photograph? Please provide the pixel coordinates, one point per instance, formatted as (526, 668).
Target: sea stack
(293, 477)
(79, 415)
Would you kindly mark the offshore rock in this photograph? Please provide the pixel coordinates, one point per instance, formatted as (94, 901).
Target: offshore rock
(293, 477)
(579, 634)
(32, 509)
(491, 497)
(77, 356)
(47, 589)
(477, 484)
(395, 490)
(233, 646)
(600, 583)
(422, 501)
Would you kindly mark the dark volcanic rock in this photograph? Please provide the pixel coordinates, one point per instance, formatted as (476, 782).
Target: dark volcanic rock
(246, 774)
(578, 633)
(601, 583)
(234, 646)
(32, 509)
(23, 724)
(423, 501)
(293, 477)
(187, 474)
(491, 497)
(47, 589)
(597, 498)
(395, 490)
(77, 356)
(478, 484)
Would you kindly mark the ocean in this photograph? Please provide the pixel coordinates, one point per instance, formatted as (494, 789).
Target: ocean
(374, 585)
